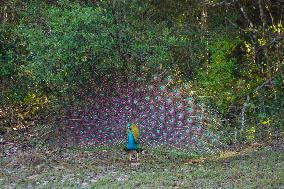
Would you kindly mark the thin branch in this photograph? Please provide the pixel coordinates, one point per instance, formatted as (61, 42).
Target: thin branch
(246, 16)
(270, 14)
(263, 84)
(243, 112)
(262, 14)
(234, 24)
(273, 40)
(222, 3)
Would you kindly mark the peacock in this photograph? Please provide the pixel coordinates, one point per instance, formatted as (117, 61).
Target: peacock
(132, 140)
(161, 107)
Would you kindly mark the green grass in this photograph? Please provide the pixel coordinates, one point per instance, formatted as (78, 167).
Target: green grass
(159, 168)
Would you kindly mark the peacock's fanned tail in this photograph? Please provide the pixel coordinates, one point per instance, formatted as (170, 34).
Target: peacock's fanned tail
(161, 107)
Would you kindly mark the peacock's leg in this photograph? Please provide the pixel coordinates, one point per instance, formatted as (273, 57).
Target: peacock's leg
(137, 158)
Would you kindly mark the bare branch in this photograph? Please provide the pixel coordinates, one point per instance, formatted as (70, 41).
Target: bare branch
(234, 24)
(270, 14)
(262, 17)
(263, 84)
(243, 113)
(273, 40)
(246, 16)
(226, 3)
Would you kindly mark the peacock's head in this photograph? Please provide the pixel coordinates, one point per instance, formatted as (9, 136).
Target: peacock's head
(128, 125)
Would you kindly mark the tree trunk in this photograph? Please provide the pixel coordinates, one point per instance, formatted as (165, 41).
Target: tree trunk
(243, 114)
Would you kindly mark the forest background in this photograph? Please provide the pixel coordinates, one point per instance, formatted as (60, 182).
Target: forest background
(53, 53)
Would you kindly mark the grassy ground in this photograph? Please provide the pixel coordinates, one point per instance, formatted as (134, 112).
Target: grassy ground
(105, 168)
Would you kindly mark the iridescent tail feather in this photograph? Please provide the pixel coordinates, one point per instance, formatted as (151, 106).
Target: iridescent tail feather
(163, 111)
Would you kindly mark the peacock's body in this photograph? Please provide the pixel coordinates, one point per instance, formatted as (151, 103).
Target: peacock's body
(132, 137)
(132, 140)
(162, 108)
(131, 143)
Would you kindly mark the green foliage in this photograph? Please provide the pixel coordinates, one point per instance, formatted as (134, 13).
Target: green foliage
(62, 42)
(69, 43)
(10, 59)
(217, 79)
(54, 52)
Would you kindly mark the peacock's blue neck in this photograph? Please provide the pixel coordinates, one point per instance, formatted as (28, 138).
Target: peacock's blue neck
(131, 144)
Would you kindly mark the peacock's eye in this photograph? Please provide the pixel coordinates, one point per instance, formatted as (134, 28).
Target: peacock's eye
(188, 109)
